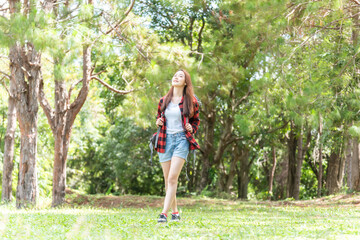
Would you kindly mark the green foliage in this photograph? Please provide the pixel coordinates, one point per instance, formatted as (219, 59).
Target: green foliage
(308, 185)
(297, 62)
(86, 12)
(116, 162)
(32, 28)
(354, 131)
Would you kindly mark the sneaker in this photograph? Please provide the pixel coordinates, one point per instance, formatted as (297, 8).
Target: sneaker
(175, 217)
(162, 218)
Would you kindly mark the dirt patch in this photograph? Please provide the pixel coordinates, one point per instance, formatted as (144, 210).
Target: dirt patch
(74, 198)
(340, 200)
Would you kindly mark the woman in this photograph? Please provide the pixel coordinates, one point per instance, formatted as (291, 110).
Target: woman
(179, 121)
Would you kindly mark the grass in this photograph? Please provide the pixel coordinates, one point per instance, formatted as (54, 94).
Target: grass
(201, 219)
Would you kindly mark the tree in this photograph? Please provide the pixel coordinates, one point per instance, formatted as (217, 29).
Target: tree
(6, 194)
(62, 118)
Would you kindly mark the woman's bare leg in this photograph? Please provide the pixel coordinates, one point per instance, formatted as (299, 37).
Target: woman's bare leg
(166, 167)
(174, 172)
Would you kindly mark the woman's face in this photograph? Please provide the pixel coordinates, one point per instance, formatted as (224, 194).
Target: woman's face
(178, 79)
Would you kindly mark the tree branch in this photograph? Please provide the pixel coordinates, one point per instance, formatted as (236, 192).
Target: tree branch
(44, 103)
(199, 48)
(4, 84)
(3, 56)
(278, 128)
(122, 19)
(6, 75)
(98, 73)
(130, 7)
(347, 64)
(138, 48)
(112, 88)
(316, 32)
(242, 99)
(81, 97)
(234, 139)
(73, 86)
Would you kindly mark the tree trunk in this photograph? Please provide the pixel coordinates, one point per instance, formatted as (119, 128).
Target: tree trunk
(232, 171)
(191, 173)
(197, 176)
(292, 163)
(335, 172)
(299, 161)
(64, 125)
(227, 177)
(61, 121)
(226, 138)
(243, 173)
(8, 167)
(354, 181)
(320, 158)
(353, 161)
(209, 127)
(204, 180)
(272, 172)
(332, 170)
(341, 172)
(296, 160)
(348, 157)
(219, 153)
(281, 178)
(61, 144)
(26, 60)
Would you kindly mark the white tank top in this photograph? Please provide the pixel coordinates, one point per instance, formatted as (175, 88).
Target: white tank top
(173, 118)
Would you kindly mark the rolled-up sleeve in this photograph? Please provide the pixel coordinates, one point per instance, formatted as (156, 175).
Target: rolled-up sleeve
(159, 109)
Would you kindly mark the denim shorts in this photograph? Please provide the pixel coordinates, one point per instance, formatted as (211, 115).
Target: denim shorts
(176, 145)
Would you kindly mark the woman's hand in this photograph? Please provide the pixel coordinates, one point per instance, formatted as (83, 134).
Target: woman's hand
(188, 127)
(159, 122)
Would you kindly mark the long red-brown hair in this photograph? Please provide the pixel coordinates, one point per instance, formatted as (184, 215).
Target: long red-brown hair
(188, 93)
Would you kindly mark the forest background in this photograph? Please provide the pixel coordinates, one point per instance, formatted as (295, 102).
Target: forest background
(278, 81)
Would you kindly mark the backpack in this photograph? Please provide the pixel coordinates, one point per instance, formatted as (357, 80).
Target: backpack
(154, 140)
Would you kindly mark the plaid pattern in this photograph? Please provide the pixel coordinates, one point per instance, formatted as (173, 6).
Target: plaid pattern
(194, 121)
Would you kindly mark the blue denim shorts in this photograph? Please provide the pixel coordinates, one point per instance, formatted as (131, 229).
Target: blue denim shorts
(176, 145)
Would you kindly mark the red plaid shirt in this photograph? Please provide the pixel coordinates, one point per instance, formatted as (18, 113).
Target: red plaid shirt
(194, 121)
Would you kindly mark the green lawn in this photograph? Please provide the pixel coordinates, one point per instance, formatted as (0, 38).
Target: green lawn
(206, 219)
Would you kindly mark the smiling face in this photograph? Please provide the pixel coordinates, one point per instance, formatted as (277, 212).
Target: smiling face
(178, 79)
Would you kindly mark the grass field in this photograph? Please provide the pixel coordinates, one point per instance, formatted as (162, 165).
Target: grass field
(134, 217)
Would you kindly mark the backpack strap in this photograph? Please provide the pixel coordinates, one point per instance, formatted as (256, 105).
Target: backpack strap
(156, 141)
(152, 150)
(157, 134)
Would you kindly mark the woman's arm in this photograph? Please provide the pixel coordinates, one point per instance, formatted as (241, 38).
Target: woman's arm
(195, 121)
